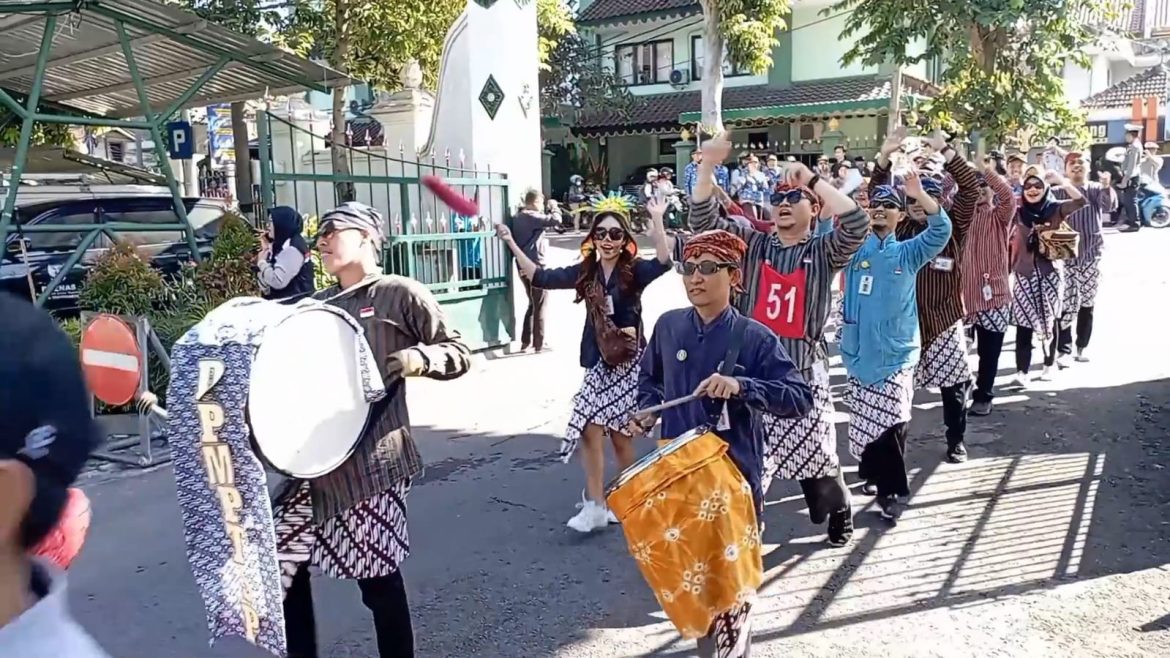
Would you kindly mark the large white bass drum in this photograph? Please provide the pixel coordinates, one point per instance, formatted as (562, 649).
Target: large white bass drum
(312, 380)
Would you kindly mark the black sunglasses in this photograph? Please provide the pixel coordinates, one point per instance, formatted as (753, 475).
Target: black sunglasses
(791, 197)
(613, 233)
(888, 205)
(706, 267)
(1033, 186)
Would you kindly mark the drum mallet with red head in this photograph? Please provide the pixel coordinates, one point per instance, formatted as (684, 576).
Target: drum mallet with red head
(458, 203)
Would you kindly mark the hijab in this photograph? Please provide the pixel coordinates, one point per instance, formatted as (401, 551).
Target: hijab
(287, 227)
(1038, 212)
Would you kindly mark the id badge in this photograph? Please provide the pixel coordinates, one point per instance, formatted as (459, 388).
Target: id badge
(988, 293)
(609, 304)
(865, 285)
(724, 420)
(943, 264)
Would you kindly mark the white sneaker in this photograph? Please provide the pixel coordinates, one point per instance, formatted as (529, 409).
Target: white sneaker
(1045, 374)
(1063, 361)
(1081, 358)
(1020, 380)
(591, 517)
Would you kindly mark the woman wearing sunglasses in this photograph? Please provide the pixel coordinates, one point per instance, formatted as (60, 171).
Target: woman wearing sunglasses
(788, 275)
(880, 344)
(610, 279)
(1038, 286)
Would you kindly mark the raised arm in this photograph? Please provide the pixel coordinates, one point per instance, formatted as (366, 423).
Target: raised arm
(881, 171)
(704, 211)
(844, 240)
(663, 243)
(920, 249)
(967, 181)
(1005, 200)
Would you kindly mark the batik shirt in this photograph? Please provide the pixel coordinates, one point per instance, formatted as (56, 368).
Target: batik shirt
(683, 351)
(1087, 220)
(220, 483)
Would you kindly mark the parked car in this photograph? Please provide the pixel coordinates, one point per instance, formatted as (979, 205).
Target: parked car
(44, 254)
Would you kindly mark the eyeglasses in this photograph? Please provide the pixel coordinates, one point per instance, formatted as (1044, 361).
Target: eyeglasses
(705, 267)
(1033, 186)
(888, 205)
(791, 197)
(613, 233)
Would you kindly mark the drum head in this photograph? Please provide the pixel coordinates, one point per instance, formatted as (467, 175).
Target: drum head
(306, 405)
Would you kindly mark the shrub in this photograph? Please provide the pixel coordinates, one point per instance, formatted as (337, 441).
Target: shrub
(121, 282)
(227, 272)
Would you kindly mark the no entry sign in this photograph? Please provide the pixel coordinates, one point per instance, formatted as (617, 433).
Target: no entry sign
(111, 359)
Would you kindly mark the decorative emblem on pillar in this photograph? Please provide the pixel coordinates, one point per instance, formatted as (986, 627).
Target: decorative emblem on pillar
(491, 97)
(525, 98)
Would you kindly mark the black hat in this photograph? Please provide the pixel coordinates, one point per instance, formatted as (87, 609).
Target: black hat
(44, 408)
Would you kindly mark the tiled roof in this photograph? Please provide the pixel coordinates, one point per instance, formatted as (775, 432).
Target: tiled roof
(1151, 82)
(607, 10)
(661, 111)
(1132, 20)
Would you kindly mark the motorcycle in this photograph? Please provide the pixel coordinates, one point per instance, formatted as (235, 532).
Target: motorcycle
(1153, 204)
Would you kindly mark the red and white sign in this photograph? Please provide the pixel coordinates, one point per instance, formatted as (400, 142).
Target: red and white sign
(111, 359)
(780, 301)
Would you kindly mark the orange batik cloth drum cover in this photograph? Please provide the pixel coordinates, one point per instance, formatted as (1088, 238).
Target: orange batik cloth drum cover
(690, 523)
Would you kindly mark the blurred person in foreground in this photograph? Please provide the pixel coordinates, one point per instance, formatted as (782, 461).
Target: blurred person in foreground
(46, 435)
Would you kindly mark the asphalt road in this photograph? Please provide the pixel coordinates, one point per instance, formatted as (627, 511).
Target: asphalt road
(1053, 540)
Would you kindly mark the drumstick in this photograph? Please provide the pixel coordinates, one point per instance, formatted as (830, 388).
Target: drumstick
(454, 200)
(667, 405)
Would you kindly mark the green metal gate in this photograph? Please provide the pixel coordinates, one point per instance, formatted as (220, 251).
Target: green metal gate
(459, 259)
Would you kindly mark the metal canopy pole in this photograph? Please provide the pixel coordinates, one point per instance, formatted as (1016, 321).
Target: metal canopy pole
(164, 162)
(28, 119)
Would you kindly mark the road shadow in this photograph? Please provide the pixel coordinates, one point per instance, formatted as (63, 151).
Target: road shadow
(1053, 495)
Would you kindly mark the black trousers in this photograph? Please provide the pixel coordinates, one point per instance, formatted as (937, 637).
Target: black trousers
(384, 596)
(1129, 205)
(825, 495)
(1064, 341)
(883, 462)
(954, 399)
(1024, 348)
(988, 345)
(533, 331)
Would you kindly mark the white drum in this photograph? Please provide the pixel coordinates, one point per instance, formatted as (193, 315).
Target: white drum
(311, 381)
(307, 402)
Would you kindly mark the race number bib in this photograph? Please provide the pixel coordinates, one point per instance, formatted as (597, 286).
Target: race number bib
(780, 302)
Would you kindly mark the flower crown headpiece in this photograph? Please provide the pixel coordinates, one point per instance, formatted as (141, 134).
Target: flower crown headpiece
(614, 202)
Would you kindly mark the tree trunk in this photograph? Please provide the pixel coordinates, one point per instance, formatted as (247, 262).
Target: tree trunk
(243, 160)
(343, 186)
(712, 82)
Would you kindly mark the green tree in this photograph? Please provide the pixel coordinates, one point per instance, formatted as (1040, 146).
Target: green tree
(571, 71)
(43, 134)
(1002, 60)
(746, 31)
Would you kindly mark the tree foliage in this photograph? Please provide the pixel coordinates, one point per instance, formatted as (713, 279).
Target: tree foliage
(747, 30)
(380, 36)
(572, 74)
(43, 134)
(1002, 60)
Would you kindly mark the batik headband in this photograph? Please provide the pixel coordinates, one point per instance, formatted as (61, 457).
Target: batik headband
(885, 193)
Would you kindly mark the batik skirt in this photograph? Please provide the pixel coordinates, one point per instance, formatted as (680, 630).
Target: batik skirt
(608, 397)
(876, 408)
(803, 448)
(1036, 303)
(995, 320)
(368, 540)
(731, 631)
(944, 360)
(1080, 289)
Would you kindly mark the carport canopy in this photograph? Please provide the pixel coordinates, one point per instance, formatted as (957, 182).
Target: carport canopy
(129, 64)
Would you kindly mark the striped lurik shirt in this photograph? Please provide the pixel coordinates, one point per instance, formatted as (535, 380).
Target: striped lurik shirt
(821, 256)
(940, 291)
(1087, 220)
(396, 313)
(985, 256)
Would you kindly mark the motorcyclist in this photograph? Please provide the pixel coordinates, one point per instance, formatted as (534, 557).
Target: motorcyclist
(576, 197)
(650, 187)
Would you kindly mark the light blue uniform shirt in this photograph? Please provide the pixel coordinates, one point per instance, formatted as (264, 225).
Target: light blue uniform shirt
(880, 333)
